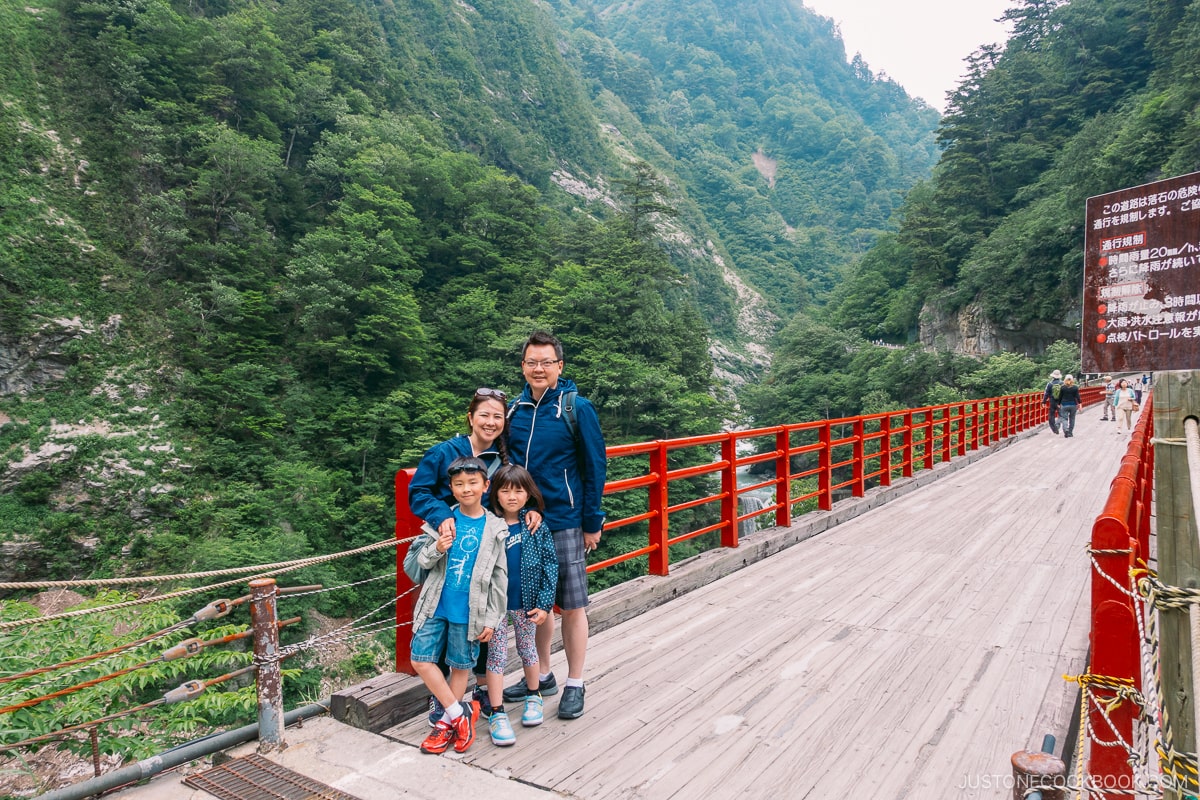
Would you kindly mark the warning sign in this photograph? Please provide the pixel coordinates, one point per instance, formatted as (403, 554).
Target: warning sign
(1141, 278)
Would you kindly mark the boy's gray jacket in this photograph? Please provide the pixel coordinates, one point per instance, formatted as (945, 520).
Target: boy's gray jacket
(489, 578)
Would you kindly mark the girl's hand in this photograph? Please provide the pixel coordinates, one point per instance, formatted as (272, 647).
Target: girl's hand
(486, 636)
(444, 541)
(538, 616)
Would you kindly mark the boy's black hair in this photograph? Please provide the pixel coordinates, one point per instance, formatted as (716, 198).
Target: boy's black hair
(467, 464)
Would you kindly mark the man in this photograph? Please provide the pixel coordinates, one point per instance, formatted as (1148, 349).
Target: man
(1109, 388)
(555, 434)
(1051, 396)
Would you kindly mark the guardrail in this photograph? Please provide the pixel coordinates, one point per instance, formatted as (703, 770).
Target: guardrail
(1120, 542)
(808, 465)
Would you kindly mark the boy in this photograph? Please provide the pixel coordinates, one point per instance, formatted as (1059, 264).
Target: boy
(461, 602)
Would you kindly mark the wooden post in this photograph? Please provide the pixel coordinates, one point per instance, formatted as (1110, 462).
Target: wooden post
(1176, 397)
(1043, 772)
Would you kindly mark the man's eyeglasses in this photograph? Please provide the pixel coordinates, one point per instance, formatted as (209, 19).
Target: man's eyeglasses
(483, 391)
(547, 364)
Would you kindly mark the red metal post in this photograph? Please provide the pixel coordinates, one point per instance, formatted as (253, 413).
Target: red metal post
(825, 469)
(729, 491)
(947, 429)
(407, 526)
(783, 477)
(857, 488)
(908, 444)
(659, 558)
(885, 450)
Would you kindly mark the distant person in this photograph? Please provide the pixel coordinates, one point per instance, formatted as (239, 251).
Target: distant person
(555, 434)
(1125, 401)
(1068, 401)
(1110, 386)
(461, 602)
(1050, 396)
(532, 580)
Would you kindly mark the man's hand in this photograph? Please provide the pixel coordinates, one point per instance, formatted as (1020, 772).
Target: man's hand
(591, 541)
(533, 518)
(538, 616)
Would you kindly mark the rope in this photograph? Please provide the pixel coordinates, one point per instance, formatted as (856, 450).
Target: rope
(293, 566)
(216, 573)
(335, 588)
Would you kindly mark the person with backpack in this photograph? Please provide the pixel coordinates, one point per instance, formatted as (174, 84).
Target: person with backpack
(555, 434)
(1068, 403)
(1052, 396)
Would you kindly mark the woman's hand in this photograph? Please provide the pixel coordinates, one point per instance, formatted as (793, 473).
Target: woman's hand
(447, 526)
(445, 540)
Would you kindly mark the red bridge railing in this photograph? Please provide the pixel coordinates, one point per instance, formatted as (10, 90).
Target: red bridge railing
(1120, 543)
(808, 466)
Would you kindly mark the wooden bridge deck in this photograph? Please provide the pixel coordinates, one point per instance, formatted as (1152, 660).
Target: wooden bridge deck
(905, 653)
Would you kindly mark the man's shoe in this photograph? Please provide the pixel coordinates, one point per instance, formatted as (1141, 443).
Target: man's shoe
(436, 710)
(532, 715)
(520, 690)
(571, 704)
(439, 739)
(480, 695)
(501, 729)
(464, 727)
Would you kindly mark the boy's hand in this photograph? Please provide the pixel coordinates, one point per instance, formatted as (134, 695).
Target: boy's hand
(538, 615)
(445, 540)
(486, 636)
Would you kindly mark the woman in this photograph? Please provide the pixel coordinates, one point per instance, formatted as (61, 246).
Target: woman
(429, 494)
(1068, 399)
(1124, 399)
(430, 498)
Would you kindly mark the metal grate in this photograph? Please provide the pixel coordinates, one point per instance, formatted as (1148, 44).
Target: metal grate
(253, 777)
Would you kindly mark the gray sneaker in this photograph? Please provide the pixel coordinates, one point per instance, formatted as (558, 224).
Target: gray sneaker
(571, 704)
(520, 690)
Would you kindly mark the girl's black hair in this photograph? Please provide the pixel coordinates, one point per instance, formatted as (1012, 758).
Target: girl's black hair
(512, 475)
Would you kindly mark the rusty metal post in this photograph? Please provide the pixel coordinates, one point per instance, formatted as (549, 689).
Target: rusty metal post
(1035, 773)
(266, 656)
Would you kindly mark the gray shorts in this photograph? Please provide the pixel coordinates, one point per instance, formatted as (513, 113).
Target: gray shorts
(572, 589)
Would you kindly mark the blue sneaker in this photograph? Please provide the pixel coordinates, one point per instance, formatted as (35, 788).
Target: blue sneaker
(436, 710)
(501, 729)
(532, 715)
(480, 695)
(517, 692)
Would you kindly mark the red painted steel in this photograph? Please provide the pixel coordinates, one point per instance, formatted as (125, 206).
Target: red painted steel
(813, 462)
(1120, 534)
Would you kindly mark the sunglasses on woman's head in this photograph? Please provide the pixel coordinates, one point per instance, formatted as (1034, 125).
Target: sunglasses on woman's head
(483, 391)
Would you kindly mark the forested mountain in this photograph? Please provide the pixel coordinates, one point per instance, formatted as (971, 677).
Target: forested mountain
(257, 255)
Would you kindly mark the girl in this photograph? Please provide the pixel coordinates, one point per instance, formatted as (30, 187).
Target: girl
(533, 578)
(1124, 400)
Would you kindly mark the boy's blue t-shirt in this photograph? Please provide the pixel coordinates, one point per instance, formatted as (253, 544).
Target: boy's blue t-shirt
(512, 546)
(455, 603)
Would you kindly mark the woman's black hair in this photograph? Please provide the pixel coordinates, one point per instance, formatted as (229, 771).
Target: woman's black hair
(512, 475)
(501, 443)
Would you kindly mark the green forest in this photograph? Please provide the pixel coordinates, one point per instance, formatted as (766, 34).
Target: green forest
(256, 256)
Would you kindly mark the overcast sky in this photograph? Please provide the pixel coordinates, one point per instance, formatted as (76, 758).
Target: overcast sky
(920, 44)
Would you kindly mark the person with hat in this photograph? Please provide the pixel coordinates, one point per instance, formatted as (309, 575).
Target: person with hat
(1109, 387)
(1051, 396)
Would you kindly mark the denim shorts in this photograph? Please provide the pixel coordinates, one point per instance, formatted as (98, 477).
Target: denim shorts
(438, 632)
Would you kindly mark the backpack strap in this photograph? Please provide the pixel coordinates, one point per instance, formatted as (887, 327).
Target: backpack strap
(568, 409)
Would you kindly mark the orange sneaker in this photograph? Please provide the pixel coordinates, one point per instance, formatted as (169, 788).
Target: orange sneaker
(464, 727)
(439, 739)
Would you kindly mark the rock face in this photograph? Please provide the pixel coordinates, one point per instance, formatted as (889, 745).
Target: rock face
(969, 331)
(29, 362)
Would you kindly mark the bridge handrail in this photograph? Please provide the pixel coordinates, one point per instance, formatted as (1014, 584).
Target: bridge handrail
(813, 462)
(1120, 543)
